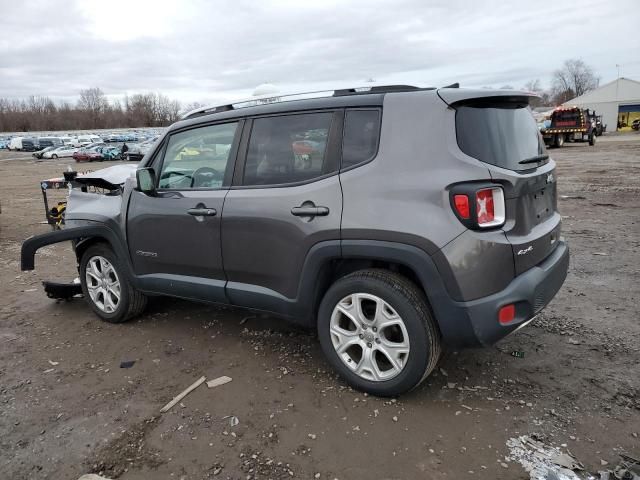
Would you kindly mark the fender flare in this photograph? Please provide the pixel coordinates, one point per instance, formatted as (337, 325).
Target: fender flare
(31, 245)
(450, 316)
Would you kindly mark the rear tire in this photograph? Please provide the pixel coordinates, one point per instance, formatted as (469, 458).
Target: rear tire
(54, 156)
(592, 139)
(106, 288)
(558, 141)
(377, 331)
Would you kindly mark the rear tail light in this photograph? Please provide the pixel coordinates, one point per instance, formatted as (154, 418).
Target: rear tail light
(479, 208)
(490, 207)
(461, 202)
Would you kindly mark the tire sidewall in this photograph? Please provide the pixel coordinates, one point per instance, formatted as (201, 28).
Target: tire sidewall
(123, 306)
(417, 361)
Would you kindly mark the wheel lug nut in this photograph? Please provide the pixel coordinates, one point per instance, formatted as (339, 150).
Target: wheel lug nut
(377, 340)
(364, 327)
(369, 345)
(361, 336)
(375, 329)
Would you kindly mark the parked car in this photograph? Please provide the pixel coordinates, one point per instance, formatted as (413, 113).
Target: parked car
(635, 124)
(84, 140)
(16, 143)
(136, 151)
(44, 142)
(29, 145)
(60, 152)
(89, 154)
(429, 220)
(111, 153)
(40, 153)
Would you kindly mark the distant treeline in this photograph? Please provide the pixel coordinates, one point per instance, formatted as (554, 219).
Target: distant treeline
(93, 110)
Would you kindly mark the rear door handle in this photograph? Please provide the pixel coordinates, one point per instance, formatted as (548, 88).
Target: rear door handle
(310, 211)
(202, 212)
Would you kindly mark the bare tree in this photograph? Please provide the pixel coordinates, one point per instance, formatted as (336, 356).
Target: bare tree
(92, 110)
(535, 86)
(575, 78)
(93, 102)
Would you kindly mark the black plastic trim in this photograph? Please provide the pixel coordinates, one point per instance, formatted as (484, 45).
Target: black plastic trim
(31, 245)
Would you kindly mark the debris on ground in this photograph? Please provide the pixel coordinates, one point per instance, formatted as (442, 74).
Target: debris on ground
(543, 462)
(233, 420)
(183, 394)
(517, 354)
(216, 382)
(92, 476)
(627, 469)
(127, 364)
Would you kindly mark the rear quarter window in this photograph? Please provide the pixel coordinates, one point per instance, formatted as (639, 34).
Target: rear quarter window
(501, 134)
(361, 136)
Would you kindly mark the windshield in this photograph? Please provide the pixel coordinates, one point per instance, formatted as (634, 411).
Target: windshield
(499, 134)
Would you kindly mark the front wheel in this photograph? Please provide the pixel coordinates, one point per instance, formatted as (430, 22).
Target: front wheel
(376, 329)
(592, 139)
(559, 140)
(106, 287)
(54, 156)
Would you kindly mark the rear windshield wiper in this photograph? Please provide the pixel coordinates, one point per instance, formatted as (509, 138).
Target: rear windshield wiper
(536, 159)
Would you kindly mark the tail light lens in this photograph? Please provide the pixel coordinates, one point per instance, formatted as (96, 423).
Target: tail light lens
(490, 207)
(461, 202)
(479, 207)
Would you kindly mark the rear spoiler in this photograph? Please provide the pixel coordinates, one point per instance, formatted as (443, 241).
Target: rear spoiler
(457, 96)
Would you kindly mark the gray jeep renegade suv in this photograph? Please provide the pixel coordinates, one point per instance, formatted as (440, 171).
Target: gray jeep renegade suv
(395, 220)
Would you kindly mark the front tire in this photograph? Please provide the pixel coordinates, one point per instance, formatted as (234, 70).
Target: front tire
(559, 140)
(106, 287)
(592, 139)
(54, 156)
(377, 331)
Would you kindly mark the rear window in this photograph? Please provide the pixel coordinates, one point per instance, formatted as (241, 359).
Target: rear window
(499, 134)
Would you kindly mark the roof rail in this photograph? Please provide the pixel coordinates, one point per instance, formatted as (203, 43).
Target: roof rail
(271, 98)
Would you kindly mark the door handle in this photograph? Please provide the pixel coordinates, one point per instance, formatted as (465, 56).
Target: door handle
(310, 211)
(202, 212)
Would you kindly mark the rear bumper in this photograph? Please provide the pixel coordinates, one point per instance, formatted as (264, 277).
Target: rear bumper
(475, 323)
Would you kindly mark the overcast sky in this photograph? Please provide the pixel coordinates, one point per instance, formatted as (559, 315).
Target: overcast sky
(218, 51)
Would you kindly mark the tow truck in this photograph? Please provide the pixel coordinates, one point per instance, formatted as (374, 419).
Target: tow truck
(570, 124)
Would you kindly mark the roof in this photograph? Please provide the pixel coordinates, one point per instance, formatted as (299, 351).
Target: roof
(621, 90)
(351, 97)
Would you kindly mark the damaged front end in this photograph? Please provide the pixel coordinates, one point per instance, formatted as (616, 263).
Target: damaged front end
(93, 213)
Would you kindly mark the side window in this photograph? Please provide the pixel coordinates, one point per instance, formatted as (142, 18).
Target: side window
(361, 135)
(287, 149)
(197, 158)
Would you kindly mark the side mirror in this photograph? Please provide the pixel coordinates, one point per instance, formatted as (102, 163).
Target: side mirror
(146, 178)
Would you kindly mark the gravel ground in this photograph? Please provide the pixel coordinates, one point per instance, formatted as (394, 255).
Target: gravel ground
(67, 408)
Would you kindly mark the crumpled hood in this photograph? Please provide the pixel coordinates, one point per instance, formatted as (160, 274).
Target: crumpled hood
(111, 178)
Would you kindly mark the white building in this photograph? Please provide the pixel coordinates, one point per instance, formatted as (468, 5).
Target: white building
(617, 101)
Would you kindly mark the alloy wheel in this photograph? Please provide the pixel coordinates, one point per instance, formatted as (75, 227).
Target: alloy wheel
(369, 337)
(103, 284)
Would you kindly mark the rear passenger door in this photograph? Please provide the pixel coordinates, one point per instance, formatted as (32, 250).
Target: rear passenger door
(285, 198)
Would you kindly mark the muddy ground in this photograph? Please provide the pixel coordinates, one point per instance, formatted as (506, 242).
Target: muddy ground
(67, 408)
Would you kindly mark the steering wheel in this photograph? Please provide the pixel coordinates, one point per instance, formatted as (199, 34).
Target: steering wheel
(205, 175)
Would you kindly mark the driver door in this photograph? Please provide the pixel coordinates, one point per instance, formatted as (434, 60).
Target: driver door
(174, 235)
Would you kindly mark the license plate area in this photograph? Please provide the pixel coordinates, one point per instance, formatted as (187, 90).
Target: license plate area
(542, 201)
